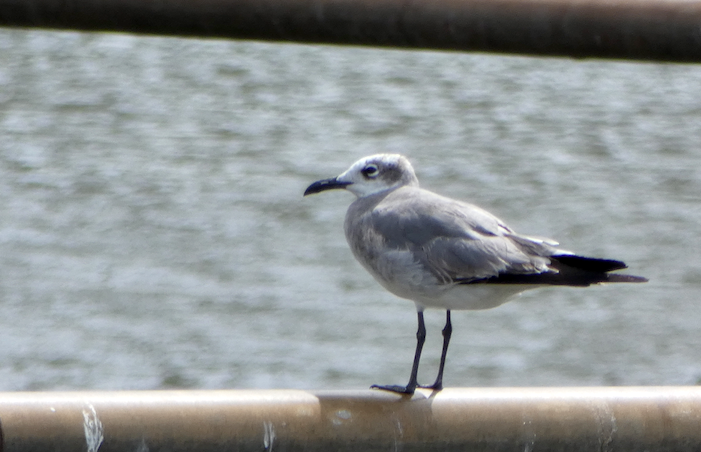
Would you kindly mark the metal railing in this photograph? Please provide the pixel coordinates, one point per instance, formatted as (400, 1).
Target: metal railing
(530, 419)
(657, 30)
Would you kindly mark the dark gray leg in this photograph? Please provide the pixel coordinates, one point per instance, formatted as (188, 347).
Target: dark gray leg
(420, 339)
(447, 331)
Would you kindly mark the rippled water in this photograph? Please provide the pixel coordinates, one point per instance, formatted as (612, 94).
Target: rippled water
(153, 233)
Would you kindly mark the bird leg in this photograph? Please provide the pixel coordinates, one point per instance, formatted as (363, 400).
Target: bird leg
(420, 339)
(447, 331)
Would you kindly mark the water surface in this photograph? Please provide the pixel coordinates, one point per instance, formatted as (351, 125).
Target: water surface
(153, 232)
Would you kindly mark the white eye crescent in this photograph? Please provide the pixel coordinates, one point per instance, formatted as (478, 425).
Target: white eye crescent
(370, 171)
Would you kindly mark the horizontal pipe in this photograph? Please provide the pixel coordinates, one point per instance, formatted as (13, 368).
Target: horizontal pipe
(658, 30)
(542, 419)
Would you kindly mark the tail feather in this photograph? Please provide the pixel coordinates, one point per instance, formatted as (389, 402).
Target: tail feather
(626, 278)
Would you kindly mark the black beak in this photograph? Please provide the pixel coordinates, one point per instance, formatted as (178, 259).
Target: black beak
(325, 184)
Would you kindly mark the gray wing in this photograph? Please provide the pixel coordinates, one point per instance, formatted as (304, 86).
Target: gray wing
(455, 241)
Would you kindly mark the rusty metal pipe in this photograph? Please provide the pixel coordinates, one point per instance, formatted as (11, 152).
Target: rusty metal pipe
(543, 419)
(659, 30)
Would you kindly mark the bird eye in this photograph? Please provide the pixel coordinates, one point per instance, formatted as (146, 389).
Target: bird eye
(370, 171)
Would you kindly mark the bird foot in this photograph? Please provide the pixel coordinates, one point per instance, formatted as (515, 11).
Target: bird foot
(437, 386)
(395, 388)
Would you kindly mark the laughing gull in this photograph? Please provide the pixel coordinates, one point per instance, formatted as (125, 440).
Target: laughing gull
(447, 254)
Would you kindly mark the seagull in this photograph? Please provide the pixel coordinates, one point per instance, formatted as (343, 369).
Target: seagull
(442, 253)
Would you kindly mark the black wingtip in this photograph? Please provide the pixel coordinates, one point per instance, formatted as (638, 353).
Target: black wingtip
(572, 270)
(598, 266)
(590, 264)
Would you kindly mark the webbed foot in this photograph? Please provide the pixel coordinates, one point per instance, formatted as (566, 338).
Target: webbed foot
(395, 388)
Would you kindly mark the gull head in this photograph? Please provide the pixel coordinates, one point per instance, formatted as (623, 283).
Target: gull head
(370, 175)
